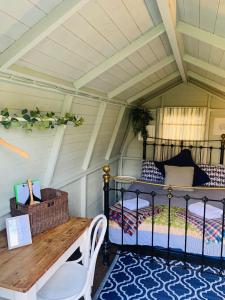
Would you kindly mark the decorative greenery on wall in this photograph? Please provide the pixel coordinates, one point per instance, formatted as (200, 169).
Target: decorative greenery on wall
(35, 119)
(140, 118)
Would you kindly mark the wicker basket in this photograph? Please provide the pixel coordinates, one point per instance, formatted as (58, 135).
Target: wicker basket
(47, 214)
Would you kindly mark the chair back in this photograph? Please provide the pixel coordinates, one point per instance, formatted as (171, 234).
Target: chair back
(96, 233)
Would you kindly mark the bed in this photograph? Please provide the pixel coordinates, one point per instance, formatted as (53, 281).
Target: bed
(159, 237)
(167, 224)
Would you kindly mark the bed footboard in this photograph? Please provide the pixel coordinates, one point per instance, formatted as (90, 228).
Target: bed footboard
(204, 226)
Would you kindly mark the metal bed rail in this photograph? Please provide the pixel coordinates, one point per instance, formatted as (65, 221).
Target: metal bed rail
(202, 150)
(203, 259)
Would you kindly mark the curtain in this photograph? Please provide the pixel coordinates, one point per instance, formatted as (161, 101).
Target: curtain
(182, 123)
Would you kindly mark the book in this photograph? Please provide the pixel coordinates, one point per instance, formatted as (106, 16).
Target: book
(22, 192)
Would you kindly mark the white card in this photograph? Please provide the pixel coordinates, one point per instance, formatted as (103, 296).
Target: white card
(18, 231)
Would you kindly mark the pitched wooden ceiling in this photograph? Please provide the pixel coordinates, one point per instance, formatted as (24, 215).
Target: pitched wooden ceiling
(124, 49)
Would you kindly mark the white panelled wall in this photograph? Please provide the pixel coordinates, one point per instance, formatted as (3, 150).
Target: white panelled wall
(71, 158)
(121, 53)
(57, 156)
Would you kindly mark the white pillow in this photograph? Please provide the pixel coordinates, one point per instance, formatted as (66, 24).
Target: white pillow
(181, 176)
(211, 212)
(131, 204)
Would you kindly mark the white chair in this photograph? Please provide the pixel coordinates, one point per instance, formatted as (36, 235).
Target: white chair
(74, 280)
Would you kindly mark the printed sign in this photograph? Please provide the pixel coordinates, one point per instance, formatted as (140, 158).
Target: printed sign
(18, 231)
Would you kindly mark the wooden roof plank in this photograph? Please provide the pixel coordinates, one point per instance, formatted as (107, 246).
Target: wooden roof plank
(204, 65)
(40, 31)
(206, 81)
(201, 35)
(141, 76)
(119, 56)
(153, 87)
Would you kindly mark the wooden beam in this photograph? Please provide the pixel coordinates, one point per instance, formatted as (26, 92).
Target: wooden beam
(204, 65)
(58, 139)
(168, 13)
(153, 87)
(83, 173)
(206, 81)
(39, 31)
(201, 35)
(115, 132)
(125, 143)
(94, 135)
(166, 61)
(207, 125)
(129, 136)
(40, 77)
(207, 89)
(33, 81)
(120, 55)
(160, 92)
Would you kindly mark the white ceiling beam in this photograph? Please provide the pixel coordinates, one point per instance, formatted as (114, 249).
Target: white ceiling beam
(204, 65)
(120, 55)
(57, 142)
(39, 31)
(206, 89)
(94, 135)
(158, 66)
(30, 79)
(153, 87)
(115, 133)
(206, 81)
(169, 17)
(201, 35)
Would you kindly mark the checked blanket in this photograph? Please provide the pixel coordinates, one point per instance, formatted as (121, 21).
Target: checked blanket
(130, 217)
(213, 227)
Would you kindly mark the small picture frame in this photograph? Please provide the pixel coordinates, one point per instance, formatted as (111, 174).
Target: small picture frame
(218, 126)
(18, 231)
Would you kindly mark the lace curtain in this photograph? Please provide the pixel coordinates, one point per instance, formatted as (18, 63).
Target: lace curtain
(182, 123)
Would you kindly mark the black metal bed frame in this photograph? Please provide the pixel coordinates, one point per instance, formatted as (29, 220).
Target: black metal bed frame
(166, 148)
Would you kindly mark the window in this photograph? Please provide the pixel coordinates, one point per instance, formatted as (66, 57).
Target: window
(182, 123)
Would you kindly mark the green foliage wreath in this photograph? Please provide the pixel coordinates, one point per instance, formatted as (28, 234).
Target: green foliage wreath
(35, 119)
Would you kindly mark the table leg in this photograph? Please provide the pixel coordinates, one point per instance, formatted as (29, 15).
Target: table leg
(30, 295)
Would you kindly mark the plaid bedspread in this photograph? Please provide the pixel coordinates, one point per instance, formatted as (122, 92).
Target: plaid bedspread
(213, 227)
(130, 217)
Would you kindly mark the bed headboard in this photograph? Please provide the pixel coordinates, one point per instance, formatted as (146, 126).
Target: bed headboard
(203, 151)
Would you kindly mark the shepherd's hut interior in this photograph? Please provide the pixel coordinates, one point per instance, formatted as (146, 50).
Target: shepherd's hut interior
(112, 141)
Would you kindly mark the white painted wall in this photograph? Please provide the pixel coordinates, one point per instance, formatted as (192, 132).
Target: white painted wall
(15, 169)
(181, 95)
(84, 186)
(68, 174)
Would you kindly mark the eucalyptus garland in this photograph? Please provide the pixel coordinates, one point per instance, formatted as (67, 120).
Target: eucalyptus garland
(36, 119)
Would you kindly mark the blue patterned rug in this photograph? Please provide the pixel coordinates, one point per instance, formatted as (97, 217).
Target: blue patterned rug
(141, 278)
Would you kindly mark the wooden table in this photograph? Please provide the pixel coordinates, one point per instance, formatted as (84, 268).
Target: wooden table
(25, 270)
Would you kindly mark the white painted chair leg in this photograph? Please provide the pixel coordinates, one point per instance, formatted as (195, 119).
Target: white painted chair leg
(87, 295)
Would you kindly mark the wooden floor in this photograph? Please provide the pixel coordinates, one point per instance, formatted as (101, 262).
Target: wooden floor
(100, 271)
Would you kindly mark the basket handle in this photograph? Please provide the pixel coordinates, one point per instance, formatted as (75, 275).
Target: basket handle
(51, 204)
(29, 182)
